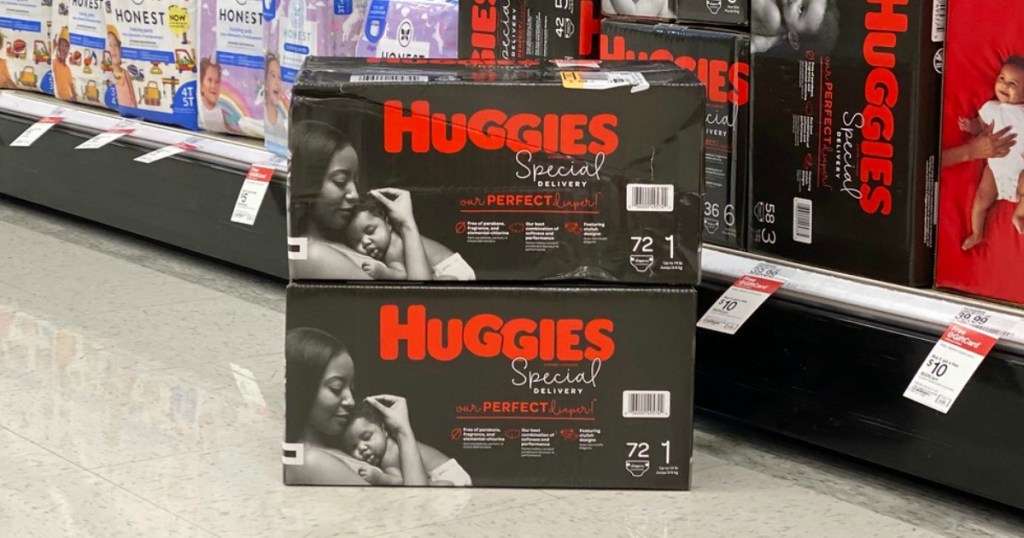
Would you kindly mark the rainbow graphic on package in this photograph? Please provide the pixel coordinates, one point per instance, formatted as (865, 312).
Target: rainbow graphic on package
(231, 59)
(25, 45)
(152, 46)
(82, 68)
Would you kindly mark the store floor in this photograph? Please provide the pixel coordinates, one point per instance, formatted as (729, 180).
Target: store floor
(141, 395)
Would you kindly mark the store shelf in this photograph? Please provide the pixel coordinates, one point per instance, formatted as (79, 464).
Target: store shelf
(185, 200)
(826, 360)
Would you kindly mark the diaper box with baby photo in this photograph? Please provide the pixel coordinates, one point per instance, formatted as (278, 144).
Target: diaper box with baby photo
(844, 162)
(515, 29)
(26, 45)
(297, 29)
(717, 12)
(981, 194)
(231, 60)
(542, 387)
(152, 47)
(82, 66)
(496, 170)
(721, 60)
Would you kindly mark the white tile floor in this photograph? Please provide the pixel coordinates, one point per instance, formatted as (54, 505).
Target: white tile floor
(120, 415)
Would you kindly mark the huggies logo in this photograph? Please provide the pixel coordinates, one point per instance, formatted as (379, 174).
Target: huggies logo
(484, 29)
(493, 129)
(489, 335)
(725, 82)
(881, 93)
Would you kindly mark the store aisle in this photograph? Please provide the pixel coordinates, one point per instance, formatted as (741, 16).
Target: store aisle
(141, 394)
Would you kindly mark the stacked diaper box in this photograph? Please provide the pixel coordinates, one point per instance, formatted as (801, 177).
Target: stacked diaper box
(981, 209)
(26, 45)
(492, 265)
(721, 61)
(730, 13)
(844, 162)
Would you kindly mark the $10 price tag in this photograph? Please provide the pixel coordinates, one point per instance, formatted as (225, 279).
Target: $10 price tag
(250, 198)
(953, 360)
(741, 300)
(38, 129)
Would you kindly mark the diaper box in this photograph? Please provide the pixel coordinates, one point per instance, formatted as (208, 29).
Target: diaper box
(502, 170)
(721, 60)
(26, 45)
(231, 60)
(153, 57)
(297, 29)
(717, 12)
(845, 145)
(980, 192)
(513, 29)
(552, 387)
(81, 63)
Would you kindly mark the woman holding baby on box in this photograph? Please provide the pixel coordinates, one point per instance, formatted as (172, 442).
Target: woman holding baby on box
(349, 236)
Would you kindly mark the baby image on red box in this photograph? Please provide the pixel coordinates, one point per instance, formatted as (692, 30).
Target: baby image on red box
(981, 214)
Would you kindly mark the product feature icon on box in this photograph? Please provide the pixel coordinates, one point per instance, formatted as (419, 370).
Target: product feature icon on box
(153, 57)
(517, 170)
(489, 387)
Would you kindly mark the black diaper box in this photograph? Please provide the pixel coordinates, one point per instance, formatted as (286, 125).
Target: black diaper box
(716, 12)
(845, 145)
(515, 29)
(540, 387)
(503, 170)
(721, 60)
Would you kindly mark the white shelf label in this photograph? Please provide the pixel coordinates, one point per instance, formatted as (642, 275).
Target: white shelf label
(740, 301)
(36, 130)
(952, 362)
(121, 129)
(250, 198)
(190, 144)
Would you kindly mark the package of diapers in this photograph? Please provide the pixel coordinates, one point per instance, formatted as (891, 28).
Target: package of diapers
(231, 59)
(293, 30)
(152, 47)
(82, 68)
(25, 45)
(410, 29)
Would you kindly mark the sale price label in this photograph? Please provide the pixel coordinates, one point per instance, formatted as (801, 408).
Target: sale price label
(121, 129)
(250, 198)
(190, 144)
(952, 362)
(739, 302)
(36, 130)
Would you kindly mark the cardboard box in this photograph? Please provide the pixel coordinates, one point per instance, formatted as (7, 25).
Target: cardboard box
(845, 142)
(721, 60)
(515, 29)
(980, 42)
(717, 12)
(504, 387)
(519, 170)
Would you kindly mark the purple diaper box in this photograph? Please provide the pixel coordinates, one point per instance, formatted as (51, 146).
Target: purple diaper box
(231, 60)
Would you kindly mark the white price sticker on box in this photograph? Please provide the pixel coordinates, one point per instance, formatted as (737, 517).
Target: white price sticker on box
(121, 129)
(250, 198)
(740, 301)
(37, 130)
(190, 144)
(954, 359)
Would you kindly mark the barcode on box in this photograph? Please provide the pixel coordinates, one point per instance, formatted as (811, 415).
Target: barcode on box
(646, 403)
(389, 78)
(803, 214)
(938, 21)
(650, 197)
